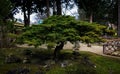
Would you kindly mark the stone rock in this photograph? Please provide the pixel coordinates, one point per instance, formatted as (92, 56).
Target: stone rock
(23, 71)
(119, 54)
(12, 59)
(26, 60)
(76, 53)
(64, 63)
(115, 53)
(87, 61)
(19, 71)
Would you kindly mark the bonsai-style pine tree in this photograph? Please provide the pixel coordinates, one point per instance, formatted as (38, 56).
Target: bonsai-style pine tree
(58, 30)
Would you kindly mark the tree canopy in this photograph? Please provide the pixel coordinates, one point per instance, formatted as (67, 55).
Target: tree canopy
(53, 29)
(5, 8)
(97, 10)
(59, 29)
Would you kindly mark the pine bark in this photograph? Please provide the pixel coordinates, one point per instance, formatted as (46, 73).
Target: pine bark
(57, 49)
(48, 10)
(54, 7)
(26, 12)
(3, 34)
(59, 9)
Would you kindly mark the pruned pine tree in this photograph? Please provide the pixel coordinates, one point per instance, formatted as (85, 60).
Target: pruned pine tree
(59, 29)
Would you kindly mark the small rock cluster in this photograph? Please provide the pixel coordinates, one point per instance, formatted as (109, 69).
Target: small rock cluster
(88, 62)
(12, 59)
(26, 60)
(19, 71)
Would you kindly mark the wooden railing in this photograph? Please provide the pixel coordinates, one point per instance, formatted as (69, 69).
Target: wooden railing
(111, 46)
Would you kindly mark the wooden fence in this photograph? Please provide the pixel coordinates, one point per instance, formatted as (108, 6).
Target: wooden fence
(111, 46)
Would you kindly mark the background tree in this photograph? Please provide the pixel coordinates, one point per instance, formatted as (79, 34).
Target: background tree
(48, 8)
(59, 5)
(55, 5)
(38, 6)
(110, 13)
(89, 6)
(43, 6)
(5, 10)
(26, 6)
(97, 10)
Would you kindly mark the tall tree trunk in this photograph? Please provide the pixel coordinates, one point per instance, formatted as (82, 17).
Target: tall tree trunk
(26, 15)
(57, 49)
(26, 18)
(91, 17)
(48, 10)
(0, 36)
(3, 34)
(59, 9)
(118, 18)
(54, 7)
(2, 40)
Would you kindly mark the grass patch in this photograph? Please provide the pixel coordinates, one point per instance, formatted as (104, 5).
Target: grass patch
(104, 65)
(40, 58)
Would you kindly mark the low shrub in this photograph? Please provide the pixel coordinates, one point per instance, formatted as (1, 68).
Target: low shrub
(50, 45)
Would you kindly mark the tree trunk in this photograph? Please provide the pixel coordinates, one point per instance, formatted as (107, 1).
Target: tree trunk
(28, 17)
(3, 34)
(57, 49)
(118, 18)
(59, 10)
(54, 7)
(48, 11)
(25, 19)
(91, 17)
(26, 13)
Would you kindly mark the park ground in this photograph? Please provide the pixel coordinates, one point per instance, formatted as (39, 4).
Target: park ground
(90, 60)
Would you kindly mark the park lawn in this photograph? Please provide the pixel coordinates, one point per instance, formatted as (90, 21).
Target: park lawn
(104, 65)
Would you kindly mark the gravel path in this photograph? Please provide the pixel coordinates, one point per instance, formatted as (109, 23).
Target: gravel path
(94, 49)
(83, 47)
